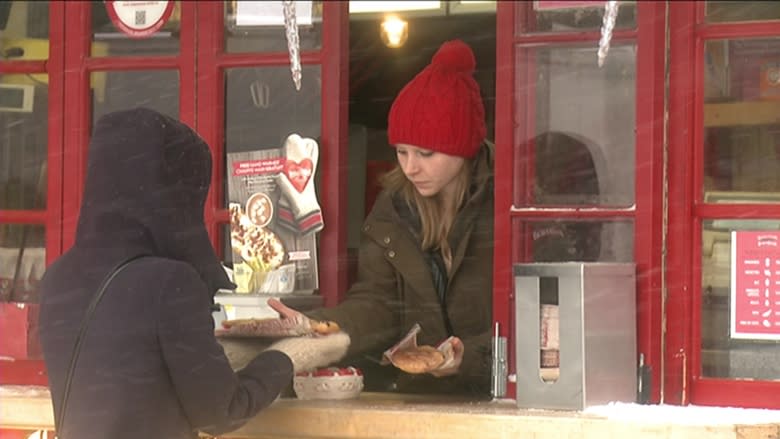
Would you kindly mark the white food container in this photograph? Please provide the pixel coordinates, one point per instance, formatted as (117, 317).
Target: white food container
(329, 383)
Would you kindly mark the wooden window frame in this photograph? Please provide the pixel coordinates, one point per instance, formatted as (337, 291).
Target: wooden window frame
(683, 382)
(647, 212)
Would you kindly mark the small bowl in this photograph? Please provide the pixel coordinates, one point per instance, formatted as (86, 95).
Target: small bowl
(329, 383)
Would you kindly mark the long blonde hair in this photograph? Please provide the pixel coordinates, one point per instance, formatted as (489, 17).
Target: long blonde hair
(435, 218)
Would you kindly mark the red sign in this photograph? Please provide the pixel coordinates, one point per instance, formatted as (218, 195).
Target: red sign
(541, 5)
(755, 285)
(139, 19)
(258, 167)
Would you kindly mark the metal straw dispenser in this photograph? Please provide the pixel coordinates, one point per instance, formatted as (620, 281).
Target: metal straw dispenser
(595, 334)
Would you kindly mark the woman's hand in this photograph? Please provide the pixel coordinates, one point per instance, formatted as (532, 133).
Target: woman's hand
(289, 323)
(452, 364)
(285, 312)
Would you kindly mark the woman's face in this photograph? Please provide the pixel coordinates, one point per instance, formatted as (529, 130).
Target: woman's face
(430, 172)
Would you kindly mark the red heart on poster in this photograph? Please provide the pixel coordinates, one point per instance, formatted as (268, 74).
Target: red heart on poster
(298, 172)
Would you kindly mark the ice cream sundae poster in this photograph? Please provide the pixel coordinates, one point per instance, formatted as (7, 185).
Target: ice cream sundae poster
(274, 218)
(755, 285)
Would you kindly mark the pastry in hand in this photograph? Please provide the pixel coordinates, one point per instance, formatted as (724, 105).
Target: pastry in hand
(420, 359)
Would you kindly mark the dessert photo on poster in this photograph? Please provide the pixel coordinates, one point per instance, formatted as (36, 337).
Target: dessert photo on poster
(274, 218)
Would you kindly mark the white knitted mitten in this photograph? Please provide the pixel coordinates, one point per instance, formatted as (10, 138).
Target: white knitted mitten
(309, 353)
(240, 351)
(297, 183)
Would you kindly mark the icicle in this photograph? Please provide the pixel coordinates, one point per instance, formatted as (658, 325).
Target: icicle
(608, 24)
(293, 42)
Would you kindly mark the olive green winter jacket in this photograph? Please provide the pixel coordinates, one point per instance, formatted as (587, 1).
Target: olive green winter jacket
(395, 287)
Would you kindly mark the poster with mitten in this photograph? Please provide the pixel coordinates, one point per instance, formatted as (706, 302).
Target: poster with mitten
(274, 217)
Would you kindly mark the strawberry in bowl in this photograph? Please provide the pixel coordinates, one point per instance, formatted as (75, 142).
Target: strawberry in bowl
(329, 383)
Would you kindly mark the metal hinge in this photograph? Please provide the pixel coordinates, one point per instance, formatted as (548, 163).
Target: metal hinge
(500, 368)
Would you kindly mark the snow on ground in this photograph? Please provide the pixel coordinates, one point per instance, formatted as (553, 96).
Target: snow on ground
(684, 415)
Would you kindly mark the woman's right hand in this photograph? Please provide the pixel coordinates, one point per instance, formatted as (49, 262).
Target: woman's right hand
(290, 323)
(453, 360)
(285, 312)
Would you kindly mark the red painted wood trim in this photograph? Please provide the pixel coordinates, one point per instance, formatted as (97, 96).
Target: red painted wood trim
(697, 193)
(704, 390)
(503, 303)
(56, 138)
(579, 212)
(746, 210)
(105, 63)
(677, 351)
(736, 393)
(649, 190)
(27, 216)
(23, 372)
(10, 67)
(77, 42)
(333, 151)
(210, 104)
(33, 372)
(185, 63)
(745, 29)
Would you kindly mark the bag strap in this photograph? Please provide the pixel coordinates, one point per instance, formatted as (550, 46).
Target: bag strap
(82, 330)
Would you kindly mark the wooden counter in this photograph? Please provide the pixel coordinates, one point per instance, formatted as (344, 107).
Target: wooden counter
(379, 416)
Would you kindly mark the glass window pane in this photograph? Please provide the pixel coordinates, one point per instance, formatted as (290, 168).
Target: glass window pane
(723, 11)
(24, 30)
(584, 149)
(23, 141)
(109, 40)
(723, 355)
(566, 16)
(22, 261)
(262, 107)
(570, 240)
(741, 127)
(259, 26)
(155, 89)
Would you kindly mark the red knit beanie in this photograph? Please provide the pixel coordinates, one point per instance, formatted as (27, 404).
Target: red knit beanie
(441, 108)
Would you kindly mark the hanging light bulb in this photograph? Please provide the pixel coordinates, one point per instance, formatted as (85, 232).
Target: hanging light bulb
(394, 31)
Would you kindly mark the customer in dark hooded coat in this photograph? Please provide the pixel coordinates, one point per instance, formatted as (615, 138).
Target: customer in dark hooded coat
(149, 364)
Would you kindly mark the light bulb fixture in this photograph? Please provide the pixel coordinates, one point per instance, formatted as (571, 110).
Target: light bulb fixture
(394, 31)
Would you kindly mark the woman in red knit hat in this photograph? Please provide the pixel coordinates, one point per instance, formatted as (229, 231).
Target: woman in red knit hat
(426, 252)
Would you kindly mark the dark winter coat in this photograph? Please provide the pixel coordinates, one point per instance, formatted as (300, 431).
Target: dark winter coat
(395, 288)
(150, 365)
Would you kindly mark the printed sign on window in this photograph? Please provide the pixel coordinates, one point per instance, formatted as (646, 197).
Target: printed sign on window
(139, 19)
(542, 5)
(755, 285)
(271, 13)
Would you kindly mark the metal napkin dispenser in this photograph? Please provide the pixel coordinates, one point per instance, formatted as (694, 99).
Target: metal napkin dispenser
(596, 334)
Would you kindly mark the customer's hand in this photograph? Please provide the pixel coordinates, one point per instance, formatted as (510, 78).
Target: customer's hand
(308, 353)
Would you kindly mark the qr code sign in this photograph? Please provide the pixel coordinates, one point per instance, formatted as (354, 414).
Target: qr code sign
(140, 18)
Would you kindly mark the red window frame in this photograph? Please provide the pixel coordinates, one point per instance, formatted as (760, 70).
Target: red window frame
(26, 371)
(683, 382)
(517, 122)
(79, 65)
(333, 59)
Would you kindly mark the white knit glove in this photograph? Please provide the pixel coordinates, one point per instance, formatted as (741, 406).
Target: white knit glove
(297, 182)
(240, 351)
(308, 353)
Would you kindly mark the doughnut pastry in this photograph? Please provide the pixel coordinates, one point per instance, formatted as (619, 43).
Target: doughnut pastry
(418, 359)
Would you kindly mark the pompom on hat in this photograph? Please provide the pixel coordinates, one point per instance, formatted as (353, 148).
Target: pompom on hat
(441, 108)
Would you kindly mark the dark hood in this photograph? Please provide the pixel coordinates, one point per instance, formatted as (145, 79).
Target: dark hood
(147, 180)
